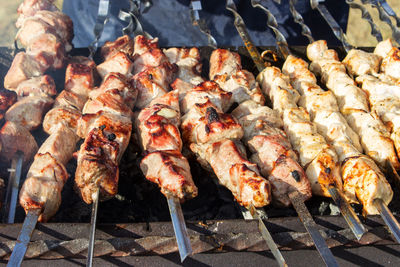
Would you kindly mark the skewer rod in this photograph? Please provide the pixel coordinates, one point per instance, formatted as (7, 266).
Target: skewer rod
(389, 219)
(268, 238)
(178, 222)
(93, 220)
(15, 187)
(348, 213)
(311, 228)
(24, 237)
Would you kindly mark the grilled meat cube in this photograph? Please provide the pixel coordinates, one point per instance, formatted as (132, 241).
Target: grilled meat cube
(65, 115)
(60, 22)
(97, 166)
(152, 83)
(42, 85)
(28, 8)
(204, 92)
(70, 99)
(119, 62)
(79, 79)
(7, 99)
(122, 44)
(224, 61)
(158, 124)
(171, 171)
(390, 58)
(22, 68)
(359, 62)
(29, 111)
(188, 61)
(240, 176)
(15, 137)
(43, 185)
(48, 50)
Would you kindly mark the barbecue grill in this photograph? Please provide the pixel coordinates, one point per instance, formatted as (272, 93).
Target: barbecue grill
(133, 230)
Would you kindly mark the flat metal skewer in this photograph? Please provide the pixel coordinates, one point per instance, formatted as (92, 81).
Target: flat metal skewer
(389, 11)
(101, 20)
(385, 17)
(195, 7)
(13, 187)
(242, 30)
(366, 16)
(298, 18)
(388, 217)
(178, 222)
(337, 30)
(24, 237)
(93, 220)
(347, 212)
(311, 227)
(268, 237)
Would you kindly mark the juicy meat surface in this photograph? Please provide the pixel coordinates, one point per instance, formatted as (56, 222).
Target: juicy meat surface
(171, 171)
(29, 8)
(119, 62)
(41, 85)
(359, 62)
(15, 137)
(29, 111)
(122, 44)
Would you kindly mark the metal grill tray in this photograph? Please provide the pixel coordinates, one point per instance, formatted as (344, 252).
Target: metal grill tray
(214, 222)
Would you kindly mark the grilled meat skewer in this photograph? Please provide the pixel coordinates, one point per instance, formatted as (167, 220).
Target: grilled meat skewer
(362, 179)
(47, 174)
(262, 126)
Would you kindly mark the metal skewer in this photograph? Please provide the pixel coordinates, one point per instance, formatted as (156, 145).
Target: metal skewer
(175, 209)
(348, 213)
(24, 237)
(388, 217)
(101, 20)
(305, 30)
(195, 7)
(337, 30)
(366, 16)
(384, 16)
(178, 222)
(13, 187)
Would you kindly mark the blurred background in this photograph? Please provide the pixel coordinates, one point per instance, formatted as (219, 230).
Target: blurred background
(358, 30)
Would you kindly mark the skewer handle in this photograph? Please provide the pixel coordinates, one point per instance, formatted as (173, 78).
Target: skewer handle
(195, 6)
(241, 28)
(337, 31)
(388, 217)
(311, 228)
(383, 16)
(24, 237)
(178, 222)
(273, 25)
(389, 11)
(101, 20)
(268, 238)
(298, 18)
(93, 220)
(366, 16)
(348, 213)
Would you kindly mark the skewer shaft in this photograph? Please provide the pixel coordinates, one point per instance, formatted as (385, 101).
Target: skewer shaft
(268, 238)
(24, 237)
(13, 187)
(311, 228)
(93, 220)
(389, 11)
(195, 7)
(366, 16)
(101, 20)
(178, 222)
(298, 18)
(337, 31)
(347, 212)
(389, 219)
(244, 35)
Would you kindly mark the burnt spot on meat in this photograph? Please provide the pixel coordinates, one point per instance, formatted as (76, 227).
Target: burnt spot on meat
(328, 170)
(207, 128)
(212, 115)
(111, 137)
(150, 76)
(296, 175)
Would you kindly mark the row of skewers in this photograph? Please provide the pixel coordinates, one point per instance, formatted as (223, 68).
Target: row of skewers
(103, 116)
